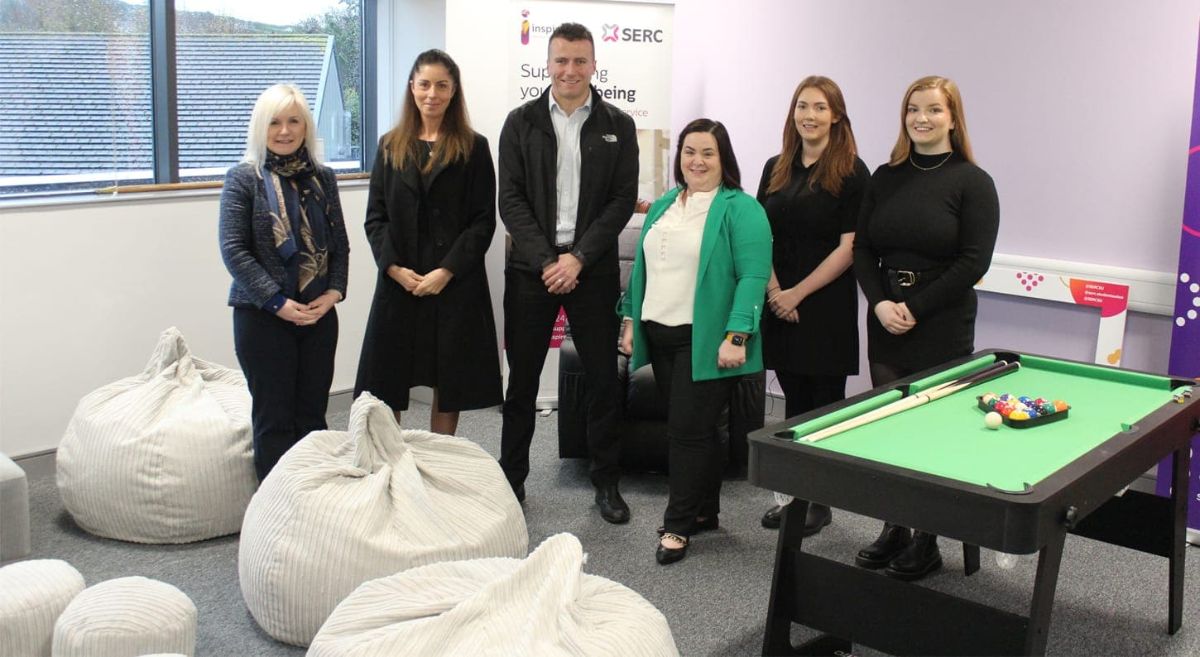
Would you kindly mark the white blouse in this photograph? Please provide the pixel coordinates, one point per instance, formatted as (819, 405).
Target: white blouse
(672, 255)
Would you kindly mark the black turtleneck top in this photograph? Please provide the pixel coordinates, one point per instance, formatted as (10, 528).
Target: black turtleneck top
(936, 214)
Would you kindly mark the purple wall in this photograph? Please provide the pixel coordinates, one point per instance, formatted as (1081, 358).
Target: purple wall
(1077, 108)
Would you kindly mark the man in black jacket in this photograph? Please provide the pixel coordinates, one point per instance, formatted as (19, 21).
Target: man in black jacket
(567, 186)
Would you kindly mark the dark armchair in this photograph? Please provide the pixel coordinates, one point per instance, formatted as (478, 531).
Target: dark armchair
(642, 418)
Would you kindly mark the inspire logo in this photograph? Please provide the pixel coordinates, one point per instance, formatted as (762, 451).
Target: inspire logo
(524, 27)
(609, 33)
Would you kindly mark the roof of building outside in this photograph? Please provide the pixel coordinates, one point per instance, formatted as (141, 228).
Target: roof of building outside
(73, 103)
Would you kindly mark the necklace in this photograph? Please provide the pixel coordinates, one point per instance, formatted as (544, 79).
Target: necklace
(944, 160)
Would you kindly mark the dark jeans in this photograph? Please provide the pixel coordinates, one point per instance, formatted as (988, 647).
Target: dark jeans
(695, 452)
(289, 370)
(803, 393)
(529, 313)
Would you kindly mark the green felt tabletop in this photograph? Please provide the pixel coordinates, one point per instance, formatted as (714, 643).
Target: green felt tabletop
(947, 437)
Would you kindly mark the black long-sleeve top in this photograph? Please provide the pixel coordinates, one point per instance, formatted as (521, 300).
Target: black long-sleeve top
(934, 215)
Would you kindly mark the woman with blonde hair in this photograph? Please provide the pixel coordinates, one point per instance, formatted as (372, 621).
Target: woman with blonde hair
(811, 192)
(926, 233)
(431, 212)
(283, 239)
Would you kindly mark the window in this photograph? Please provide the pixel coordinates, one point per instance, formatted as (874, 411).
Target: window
(77, 76)
(74, 95)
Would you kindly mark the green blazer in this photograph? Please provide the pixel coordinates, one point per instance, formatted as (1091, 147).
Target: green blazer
(735, 265)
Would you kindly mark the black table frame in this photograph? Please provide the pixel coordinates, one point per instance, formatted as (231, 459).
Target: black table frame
(853, 605)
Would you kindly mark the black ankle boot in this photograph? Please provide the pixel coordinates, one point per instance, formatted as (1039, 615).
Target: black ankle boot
(920, 558)
(892, 540)
(818, 516)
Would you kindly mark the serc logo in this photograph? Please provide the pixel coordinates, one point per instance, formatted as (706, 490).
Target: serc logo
(616, 33)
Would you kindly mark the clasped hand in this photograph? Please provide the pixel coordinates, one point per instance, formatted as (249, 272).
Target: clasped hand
(420, 285)
(895, 317)
(784, 302)
(302, 314)
(562, 276)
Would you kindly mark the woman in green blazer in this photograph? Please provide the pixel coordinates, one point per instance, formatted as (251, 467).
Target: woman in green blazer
(692, 311)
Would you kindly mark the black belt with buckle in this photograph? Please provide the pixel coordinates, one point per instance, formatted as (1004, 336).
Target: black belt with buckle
(908, 278)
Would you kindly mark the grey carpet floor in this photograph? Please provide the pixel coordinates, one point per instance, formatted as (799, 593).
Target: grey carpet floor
(1110, 601)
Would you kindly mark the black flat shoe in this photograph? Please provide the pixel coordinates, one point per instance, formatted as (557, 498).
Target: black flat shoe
(818, 516)
(612, 506)
(773, 517)
(665, 555)
(698, 525)
(920, 558)
(892, 540)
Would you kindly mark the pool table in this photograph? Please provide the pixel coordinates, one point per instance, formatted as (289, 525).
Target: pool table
(938, 468)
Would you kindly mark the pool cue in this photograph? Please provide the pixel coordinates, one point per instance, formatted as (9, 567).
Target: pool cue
(912, 401)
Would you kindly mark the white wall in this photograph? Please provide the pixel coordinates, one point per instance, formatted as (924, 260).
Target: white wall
(86, 289)
(1078, 108)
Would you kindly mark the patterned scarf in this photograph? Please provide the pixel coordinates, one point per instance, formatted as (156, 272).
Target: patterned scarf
(292, 180)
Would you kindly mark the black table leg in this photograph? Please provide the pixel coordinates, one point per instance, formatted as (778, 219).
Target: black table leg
(1179, 501)
(1044, 585)
(777, 638)
(970, 559)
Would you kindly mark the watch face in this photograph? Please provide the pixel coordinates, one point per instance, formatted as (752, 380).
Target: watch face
(737, 340)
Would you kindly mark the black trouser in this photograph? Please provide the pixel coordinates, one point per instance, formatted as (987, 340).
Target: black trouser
(803, 392)
(884, 374)
(529, 313)
(289, 370)
(695, 452)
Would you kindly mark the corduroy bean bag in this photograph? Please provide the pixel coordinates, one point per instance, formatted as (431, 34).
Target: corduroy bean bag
(164, 456)
(127, 617)
(341, 508)
(14, 511)
(32, 596)
(541, 606)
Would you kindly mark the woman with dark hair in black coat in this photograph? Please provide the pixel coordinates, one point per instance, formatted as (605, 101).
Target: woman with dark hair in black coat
(431, 212)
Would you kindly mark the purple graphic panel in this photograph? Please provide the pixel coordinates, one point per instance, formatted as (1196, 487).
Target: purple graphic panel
(1185, 335)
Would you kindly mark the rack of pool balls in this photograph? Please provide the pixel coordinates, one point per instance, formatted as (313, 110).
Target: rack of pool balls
(1020, 412)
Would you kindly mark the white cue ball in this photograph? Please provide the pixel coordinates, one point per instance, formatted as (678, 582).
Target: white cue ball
(993, 420)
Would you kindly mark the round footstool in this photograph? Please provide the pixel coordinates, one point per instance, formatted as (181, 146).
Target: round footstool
(129, 616)
(33, 594)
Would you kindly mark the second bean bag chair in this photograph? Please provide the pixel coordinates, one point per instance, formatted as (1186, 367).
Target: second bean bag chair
(341, 508)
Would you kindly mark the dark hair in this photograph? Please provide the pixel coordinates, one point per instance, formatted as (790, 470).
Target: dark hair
(731, 176)
(837, 162)
(400, 144)
(573, 32)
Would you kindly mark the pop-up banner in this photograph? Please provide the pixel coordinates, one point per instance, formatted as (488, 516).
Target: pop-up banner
(1185, 335)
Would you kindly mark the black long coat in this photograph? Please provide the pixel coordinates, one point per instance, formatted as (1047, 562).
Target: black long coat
(461, 209)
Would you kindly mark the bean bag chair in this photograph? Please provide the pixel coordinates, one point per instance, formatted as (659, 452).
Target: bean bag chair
(341, 508)
(127, 617)
(14, 511)
(32, 596)
(164, 456)
(541, 606)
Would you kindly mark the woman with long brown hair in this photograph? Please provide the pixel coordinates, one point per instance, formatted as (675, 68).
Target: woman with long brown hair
(926, 233)
(811, 192)
(431, 212)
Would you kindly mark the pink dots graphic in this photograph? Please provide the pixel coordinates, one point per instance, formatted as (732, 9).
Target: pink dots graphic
(1029, 280)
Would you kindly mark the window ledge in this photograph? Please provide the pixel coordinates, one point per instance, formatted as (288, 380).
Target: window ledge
(90, 198)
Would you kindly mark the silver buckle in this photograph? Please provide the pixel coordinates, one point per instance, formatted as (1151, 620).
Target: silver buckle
(905, 278)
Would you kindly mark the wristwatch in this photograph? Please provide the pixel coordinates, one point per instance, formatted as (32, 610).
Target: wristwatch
(736, 339)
